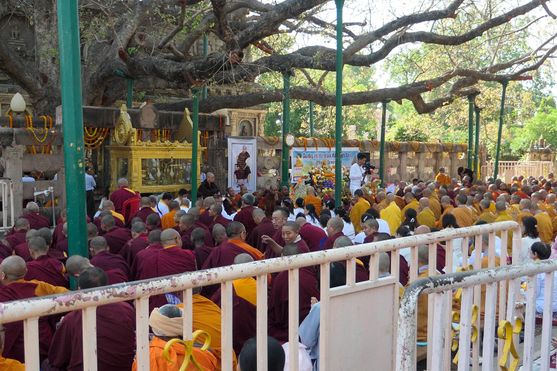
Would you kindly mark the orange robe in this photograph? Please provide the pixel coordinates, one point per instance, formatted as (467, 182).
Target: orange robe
(393, 216)
(545, 227)
(414, 204)
(422, 312)
(487, 216)
(426, 217)
(11, 364)
(447, 210)
(443, 179)
(356, 214)
(157, 362)
(522, 215)
(167, 220)
(435, 206)
(315, 201)
(464, 216)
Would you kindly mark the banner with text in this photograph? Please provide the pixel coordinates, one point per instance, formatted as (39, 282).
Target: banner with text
(303, 160)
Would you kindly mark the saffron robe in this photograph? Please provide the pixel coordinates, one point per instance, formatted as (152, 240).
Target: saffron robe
(108, 261)
(48, 270)
(11, 364)
(487, 216)
(315, 201)
(414, 204)
(120, 196)
(132, 247)
(356, 213)
(503, 217)
(278, 301)
(176, 353)
(435, 206)
(264, 228)
(464, 216)
(393, 216)
(426, 217)
(36, 221)
(545, 227)
(115, 339)
(245, 216)
(167, 220)
(21, 289)
(443, 179)
(143, 213)
(314, 236)
(116, 238)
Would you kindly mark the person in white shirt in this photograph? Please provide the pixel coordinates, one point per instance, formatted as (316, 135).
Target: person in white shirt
(357, 173)
(540, 251)
(529, 236)
(162, 205)
(299, 206)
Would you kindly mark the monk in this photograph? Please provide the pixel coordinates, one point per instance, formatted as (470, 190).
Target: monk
(116, 237)
(264, 227)
(244, 299)
(14, 287)
(279, 217)
(545, 226)
(122, 194)
(425, 214)
(152, 222)
(403, 267)
(215, 212)
(167, 220)
(23, 248)
(18, 235)
(219, 234)
(196, 213)
(447, 206)
(7, 363)
(35, 219)
(440, 260)
(442, 178)
(115, 332)
(204, 216)
(200, 249)
(167, 324)
(138, 242)
(278, 298)
(245, 215)
(311, 198)
(145, 209)
(314, 236)
(362, 272)
(168, 260)
(503, 216)
(334, 230)
(224, 254)
(108, 209)
(411, 202)
(434, 203)
(361, 205)
(290, 235)
(392, 214)
(44, 268)
(77, 264)
(104, 259)
(61, 247)
(464, 216)
(486, 215)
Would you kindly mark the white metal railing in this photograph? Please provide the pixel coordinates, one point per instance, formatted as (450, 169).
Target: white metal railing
(440, 288)
(508, 169)
(7, 199)
(87, 300)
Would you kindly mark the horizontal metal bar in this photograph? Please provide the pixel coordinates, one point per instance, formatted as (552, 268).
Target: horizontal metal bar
(36, 307)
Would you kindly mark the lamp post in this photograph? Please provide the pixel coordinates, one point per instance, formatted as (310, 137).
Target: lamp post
(72, 114)
(338, 117)
(382, 143)
(194, 144)
(285, 179)
(504, 83)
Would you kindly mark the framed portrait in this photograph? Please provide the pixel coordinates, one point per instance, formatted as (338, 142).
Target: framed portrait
(242, 163)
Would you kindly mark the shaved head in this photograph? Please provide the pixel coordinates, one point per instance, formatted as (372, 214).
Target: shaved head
(422, 229)
(13, 268)
(243, 258)
(170, 237)
(76, 264)
(98, 244)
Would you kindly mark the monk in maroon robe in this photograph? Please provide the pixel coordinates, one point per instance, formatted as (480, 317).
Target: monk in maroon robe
(36, 220)
(215, 212)
(334, 230)
(77, 264)
(245, 215)
(116, 237)
(122, 194)
(145, 209)
(264, 227)
(115, 333)
(23, 248)
(362, 273)
(18, 235)
(278, 298)
(244, 302)
(44, 268)
(404, 268)
(139, 242)
(58, 232)
(15, 287)
(171, 259)
(279, 217)
(104, 259)
(290, 235)
(200, 250)
(314, 236)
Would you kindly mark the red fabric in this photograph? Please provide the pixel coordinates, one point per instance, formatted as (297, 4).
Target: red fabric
(5, 251)
(23, 250)
(116, 276)
(224, 255)
(119, 197)
(245, 216)
(132, 247)
(201, 254)
(130, 207)
(313, 236)
(264, 228)
(16, 238)
(143, 213)
(117, 222)
(108, 261)
(219, 220)
(278, 301)
(37, 221)
(205, 218)
(115, 339)
(48, 270)
(117, 238)
(330, 241)
(58, 234)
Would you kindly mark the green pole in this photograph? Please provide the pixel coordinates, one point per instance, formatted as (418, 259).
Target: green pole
(205, 54)
(72, 118)
(311, 123)
(195, 146)
(477, 143)
(129, 98)
(470, 129)
(500, 131)
(338, 116)
(382, 143)
(285, 128)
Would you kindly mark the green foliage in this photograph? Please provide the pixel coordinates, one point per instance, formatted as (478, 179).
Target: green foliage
(542, 125)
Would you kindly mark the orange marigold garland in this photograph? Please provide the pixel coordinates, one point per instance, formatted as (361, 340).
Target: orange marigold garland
(95, 137)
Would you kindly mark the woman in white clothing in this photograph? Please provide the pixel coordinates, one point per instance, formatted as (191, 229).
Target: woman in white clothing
(449, 222)
(348, 229)
(540, 251)
(530, 235)
(299, 207)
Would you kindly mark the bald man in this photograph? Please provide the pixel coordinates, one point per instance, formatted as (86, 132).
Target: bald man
(139, 241)
(77, 264)
(425, 214)
(245, 215)
(14, 287)
(108, 209)
(122, 194)
(18, 233)
(334, 230)
(440, 263)
(434, 203)
(42, 267)
(464, 216)
(264, 227)
(362, 264)
(104, 259)
(361, 205)
(145, 209)
(313, 236)
(35, 219)
(171, 259)
(219, 234)
(392, 214)
(486, 215)
(115, 236)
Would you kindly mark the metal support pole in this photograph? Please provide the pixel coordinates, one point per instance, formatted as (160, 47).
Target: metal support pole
(338, 116)
(195, 146)
(382, 143)
(470, 130)
(500, 131)
(477, 143)
(205, 53)
(311, 123)
(72, 117)
(285, 128)
(129, 98)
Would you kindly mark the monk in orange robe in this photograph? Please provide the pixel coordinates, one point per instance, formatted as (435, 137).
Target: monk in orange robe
(167, 220)
(441, 178)
(464, 216)
(312, 199)
(7, 363)
(486, 215)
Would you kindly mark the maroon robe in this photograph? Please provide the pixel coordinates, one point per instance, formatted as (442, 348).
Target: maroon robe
(160, 262)
(116, 238)
(141, 256)
(314, 236)
(16, 238)
(13, 344)
(57, 234)
(330, 241)
(5, 251)
(134, 246)
(219, 220)
(117, 222)
(224, 255)
(116, 276)
(23, 250)
(245, 216)
(36, 221)
(143, 213)
(48, 270)
(120, 196)
(278, 301)
(108, 261)
(115, 339)
(208, 233)
(301, 244)
(206, 219)
(403, 267)
(186, 238)
(201, 254)
(264, 228)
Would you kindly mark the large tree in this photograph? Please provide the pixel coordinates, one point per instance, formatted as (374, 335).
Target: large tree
(152, 41)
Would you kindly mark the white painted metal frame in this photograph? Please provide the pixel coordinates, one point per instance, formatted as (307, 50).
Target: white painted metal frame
(7, 199)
